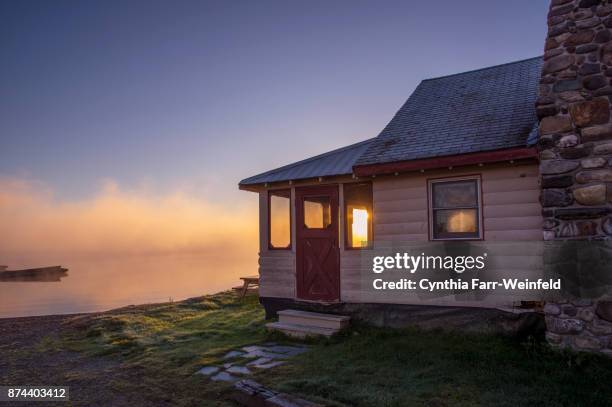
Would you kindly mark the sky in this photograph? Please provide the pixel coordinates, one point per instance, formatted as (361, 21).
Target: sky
(200, 94)
(145, 101)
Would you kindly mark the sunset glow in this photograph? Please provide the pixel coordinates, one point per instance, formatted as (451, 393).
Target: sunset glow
(116, 221)
(120, 246)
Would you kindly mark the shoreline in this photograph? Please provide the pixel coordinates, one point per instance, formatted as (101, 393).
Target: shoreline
(129, 306)
(5, 319)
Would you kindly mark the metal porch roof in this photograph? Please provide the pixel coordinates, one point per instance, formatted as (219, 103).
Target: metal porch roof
(335, 162)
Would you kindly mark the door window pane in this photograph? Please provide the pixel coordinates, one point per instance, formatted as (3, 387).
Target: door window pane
(317, 212)
(280, 219)
(358, 214)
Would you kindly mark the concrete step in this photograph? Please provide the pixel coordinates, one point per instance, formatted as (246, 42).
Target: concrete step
(300, 331)
(314, 319)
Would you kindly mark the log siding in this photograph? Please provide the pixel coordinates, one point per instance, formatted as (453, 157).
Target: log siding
(510, 210)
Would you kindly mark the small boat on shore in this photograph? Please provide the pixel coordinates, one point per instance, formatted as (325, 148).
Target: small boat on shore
(39, 274)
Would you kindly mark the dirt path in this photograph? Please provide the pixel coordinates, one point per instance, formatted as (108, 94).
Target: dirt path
(28, 357)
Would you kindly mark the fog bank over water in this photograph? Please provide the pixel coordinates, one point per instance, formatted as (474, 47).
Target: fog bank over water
(121, 247)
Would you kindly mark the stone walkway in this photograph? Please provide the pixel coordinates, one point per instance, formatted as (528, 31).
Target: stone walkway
(242, 362)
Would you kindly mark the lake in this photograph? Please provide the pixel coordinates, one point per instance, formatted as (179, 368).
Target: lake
(107, 283)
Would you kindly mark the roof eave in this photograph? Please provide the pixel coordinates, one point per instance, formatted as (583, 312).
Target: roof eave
(483, 157)
(251, 187)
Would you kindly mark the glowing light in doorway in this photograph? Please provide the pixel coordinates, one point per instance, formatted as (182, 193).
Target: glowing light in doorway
(360, 227)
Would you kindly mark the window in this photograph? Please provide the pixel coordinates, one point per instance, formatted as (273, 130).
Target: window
(317, 212)
(455, 209)
(279, 216)
(358, 215)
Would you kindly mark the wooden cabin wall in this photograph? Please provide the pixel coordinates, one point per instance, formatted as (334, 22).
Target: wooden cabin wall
(511, 211)
(510, 199)
(276, 267)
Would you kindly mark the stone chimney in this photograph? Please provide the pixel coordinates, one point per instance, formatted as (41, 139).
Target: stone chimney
(576, 153)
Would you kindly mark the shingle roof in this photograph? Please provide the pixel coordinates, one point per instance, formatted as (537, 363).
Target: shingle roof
(336, 162)
(482, 110)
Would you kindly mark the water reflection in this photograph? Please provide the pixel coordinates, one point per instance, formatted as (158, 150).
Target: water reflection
(101, 284)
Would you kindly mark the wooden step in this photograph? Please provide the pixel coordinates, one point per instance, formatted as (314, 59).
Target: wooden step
(313, 319)
(300, 331)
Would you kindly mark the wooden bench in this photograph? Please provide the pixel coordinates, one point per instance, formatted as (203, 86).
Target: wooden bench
(247, 283)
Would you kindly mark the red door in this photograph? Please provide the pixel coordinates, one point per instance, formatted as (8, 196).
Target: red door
(317, 252)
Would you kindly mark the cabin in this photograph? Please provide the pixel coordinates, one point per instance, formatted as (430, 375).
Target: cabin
(458, 161)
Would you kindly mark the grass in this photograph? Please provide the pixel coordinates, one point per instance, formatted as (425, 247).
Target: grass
(182, 335)
(165, 344)
(382, 367)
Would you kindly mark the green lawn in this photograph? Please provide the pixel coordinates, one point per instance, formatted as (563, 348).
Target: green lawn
(376, 367)
(163, 345)
(167, 343)
(180, 336)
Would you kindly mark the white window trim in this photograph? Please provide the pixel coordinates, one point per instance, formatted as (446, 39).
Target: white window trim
(430, 219)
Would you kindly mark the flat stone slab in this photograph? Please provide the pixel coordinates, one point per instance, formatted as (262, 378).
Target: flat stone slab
(224, 377)
(273, 352)
(233, 354)
(270, 364)
(238, 370)
(256, 350)
(208, 370)
(260, 361)
(250, 393)
(264, 356)
(287, 350)
(252, 348)
(265, 363)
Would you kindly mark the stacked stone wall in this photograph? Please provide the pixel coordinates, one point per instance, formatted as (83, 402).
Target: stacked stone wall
(573, 107)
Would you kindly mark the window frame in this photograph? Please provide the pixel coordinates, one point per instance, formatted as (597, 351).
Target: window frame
(269, 221)
(347, 238)
(479, 208)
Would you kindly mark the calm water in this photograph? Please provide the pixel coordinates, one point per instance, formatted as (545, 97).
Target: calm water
(96, 285)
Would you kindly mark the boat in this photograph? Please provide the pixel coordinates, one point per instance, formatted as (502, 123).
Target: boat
(39, 274)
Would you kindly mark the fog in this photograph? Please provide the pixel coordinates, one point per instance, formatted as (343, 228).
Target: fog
(121, 246)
